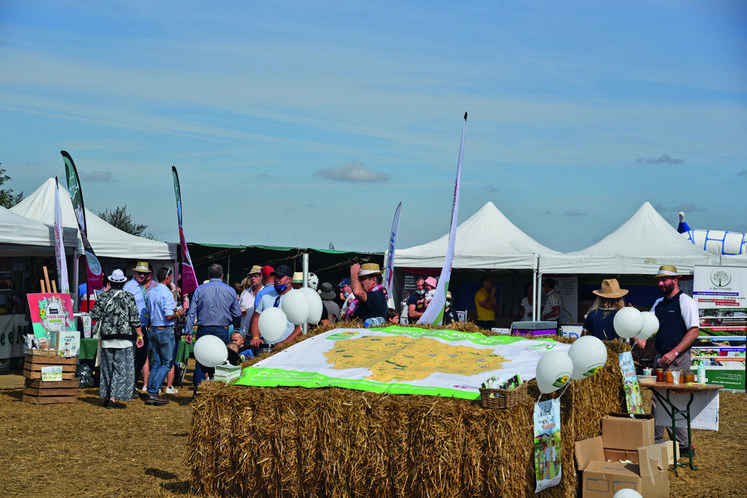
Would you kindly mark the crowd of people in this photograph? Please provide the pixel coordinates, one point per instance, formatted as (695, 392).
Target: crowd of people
(140, 321)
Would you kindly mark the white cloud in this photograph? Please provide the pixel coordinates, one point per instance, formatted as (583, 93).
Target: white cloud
(353, 171)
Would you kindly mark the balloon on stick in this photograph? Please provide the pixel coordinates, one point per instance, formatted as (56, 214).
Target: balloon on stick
(627, 322)
(315, 305)
(554, 370)
(210, 351)
(296, 306)
(650, 326)
(589, 355)
(272, 323)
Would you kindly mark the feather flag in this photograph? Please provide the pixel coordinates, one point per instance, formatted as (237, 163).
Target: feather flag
(94, 274)
(389, 257)
(434, 313)
(59, 247)
(189, 278)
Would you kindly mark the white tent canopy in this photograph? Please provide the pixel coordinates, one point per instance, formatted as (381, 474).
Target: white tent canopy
(639, 246)
(21, 236)
(486, 241)
(106, 240)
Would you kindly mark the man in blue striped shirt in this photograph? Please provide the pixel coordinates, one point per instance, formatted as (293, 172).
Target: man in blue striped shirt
(162, 310)
(214, 307)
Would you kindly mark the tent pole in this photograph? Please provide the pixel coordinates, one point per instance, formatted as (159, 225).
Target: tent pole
(534, 278)
(305, 269)
(76, 279)
(537, 308)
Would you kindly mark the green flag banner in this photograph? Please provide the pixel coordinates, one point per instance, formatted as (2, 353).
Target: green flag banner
(400, 360)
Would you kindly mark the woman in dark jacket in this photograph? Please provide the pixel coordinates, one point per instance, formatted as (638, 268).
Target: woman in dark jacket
(600, 320)
(119, 327)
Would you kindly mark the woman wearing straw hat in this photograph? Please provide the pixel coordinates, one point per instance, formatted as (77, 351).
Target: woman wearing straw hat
(599, 321)
(119, 326)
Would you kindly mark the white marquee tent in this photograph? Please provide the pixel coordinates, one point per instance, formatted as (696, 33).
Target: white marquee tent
(638, 247)
(21, 236)
(106, 240)
(486, 241)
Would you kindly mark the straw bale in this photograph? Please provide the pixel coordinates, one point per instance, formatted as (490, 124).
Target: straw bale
(333, 442)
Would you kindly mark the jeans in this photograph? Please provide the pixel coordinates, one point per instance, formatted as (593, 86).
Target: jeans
(162, 347)
(220, 332)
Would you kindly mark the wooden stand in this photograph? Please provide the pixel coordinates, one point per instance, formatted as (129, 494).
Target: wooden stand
(43, 392)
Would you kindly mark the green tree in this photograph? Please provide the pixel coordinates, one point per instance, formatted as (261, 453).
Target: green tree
(8, 198)
(120, 218)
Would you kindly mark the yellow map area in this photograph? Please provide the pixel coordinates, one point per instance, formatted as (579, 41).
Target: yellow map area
(403, 358)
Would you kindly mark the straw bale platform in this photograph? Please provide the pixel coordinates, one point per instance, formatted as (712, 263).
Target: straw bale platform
(332, 442)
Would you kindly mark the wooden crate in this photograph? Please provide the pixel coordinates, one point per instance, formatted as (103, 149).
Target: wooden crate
(40, 392)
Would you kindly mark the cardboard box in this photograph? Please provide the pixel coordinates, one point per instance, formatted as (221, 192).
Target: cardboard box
(623, 432)
(602, 479)
(671, 451)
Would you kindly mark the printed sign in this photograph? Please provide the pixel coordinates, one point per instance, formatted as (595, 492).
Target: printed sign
(630, 383)
(547, 444)
(50, 313)
(53, 373)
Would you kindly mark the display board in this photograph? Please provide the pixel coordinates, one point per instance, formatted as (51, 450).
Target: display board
(50, 313)
(721, 295)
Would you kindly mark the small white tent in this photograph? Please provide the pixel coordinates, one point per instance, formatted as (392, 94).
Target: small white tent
(21, 236)
(486, 241)
(638, 247)
(106, 240)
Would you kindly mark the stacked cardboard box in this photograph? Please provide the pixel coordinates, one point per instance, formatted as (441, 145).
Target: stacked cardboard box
(625, 456)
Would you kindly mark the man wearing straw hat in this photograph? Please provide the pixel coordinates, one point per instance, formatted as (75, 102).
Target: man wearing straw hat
(370, 299)
(678, 328)
(141, 283)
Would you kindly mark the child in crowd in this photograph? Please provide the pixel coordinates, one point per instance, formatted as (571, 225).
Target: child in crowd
(237, 351)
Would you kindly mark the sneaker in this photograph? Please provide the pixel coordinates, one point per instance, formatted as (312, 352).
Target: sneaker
(155, 400)
(171, 390)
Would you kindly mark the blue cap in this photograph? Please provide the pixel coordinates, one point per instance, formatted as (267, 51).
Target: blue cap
(345, 281)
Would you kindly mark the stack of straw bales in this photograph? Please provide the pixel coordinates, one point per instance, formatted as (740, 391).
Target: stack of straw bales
(331, 442)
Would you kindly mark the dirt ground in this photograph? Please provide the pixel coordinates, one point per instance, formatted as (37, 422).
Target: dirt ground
(82, 449)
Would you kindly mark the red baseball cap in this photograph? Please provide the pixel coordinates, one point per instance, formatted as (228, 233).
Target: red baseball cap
(267, 271)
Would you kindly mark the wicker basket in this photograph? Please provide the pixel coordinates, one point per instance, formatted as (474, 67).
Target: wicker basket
(503, 398)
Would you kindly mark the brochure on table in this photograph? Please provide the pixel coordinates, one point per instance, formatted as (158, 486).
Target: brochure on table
(721, 295)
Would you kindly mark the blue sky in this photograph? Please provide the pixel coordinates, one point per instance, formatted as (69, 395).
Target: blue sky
(300, 123)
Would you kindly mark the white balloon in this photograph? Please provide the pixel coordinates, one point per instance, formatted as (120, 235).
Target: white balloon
(272, 323)
(627, 493)
(650, 326)
(554, 370)
(589, 355)
(210, 351)
(296, 306)
(315, 305)
(627, 322)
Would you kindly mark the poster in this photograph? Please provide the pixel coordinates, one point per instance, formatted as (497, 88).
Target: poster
(568, 287)
(400, 360)
(547, 444)
(50, 313)
(631, 387)
(721, 295)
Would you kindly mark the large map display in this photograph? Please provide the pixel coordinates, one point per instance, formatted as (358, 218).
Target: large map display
(400, 360)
